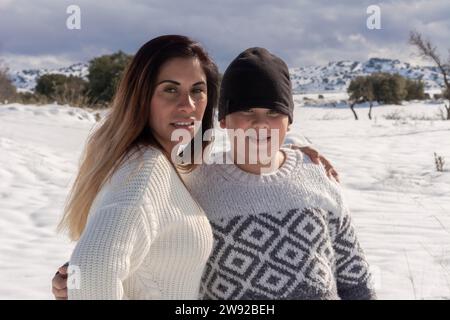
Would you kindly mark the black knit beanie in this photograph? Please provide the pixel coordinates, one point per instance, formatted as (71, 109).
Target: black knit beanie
(256, 78)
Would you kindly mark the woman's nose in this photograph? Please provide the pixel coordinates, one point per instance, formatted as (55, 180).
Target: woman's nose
(186, 102)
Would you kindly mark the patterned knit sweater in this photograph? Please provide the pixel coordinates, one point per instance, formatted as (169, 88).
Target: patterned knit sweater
(284, 235)
(146, 237)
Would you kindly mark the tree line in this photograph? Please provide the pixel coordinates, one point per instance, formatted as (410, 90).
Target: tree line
(96, 91)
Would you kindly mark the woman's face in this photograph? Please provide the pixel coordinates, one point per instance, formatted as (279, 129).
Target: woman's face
(179, 99)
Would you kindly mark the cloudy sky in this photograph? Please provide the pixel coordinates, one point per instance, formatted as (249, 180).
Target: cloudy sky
(33, 33)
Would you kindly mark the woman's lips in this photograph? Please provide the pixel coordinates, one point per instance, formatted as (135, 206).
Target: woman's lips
(183, 124)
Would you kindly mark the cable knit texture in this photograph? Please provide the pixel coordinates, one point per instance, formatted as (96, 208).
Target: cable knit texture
(283, 235)
(146, 237)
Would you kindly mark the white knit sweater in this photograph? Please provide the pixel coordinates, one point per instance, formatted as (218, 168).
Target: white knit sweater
(146, 238)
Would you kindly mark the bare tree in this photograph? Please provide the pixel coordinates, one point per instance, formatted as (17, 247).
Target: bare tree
(447, 109)
(361, 90)
(428, 51)
(7, 89)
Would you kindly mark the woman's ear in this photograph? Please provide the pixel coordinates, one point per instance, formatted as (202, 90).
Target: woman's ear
(289, 128)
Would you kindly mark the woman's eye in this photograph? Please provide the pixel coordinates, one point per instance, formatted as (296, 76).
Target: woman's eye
(170, 90)
(273, 113)
(198, 91)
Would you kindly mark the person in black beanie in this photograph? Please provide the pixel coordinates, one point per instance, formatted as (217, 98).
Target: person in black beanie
(283, 232)
(256, 78)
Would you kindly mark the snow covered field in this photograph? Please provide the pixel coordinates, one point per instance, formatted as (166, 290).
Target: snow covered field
(400, 203)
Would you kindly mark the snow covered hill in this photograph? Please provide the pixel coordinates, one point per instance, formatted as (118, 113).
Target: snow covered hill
(25, 80)
(333, 77)
(336, 76)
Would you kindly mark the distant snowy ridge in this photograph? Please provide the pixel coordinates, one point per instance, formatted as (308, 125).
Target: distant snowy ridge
(336, 76)
(25, 80)
(333, 77)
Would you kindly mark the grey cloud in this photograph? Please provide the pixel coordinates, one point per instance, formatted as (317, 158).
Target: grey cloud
(302, 32)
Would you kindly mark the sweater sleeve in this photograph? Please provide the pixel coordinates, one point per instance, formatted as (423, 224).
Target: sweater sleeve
(113, 245)
(353, 275)
(296, 139)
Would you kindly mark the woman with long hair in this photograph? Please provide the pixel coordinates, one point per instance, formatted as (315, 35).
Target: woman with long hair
(140, 234)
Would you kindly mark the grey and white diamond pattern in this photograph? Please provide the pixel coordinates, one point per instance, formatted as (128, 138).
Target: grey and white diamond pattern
(269, 254)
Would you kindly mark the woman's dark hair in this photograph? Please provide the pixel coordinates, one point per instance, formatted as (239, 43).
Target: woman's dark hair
(127, 127)
(144, 69)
